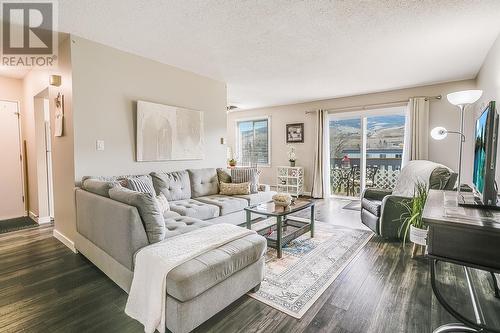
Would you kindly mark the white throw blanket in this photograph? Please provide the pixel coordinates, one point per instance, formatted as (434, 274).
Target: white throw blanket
(146, 300)
(414, 172)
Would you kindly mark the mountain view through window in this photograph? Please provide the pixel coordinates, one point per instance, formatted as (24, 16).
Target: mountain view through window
(253, 142)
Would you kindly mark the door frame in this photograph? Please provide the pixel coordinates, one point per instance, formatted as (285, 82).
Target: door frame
(22, 157)
(363, 116)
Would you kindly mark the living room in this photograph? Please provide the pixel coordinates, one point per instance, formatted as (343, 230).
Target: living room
(266, 182)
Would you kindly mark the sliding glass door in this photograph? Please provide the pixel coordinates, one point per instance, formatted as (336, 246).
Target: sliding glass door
(345, 154)
(366, 150)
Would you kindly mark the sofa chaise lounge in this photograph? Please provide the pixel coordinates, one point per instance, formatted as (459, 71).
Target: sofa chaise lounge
(110, 232)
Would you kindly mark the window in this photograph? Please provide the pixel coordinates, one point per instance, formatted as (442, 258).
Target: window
(253, 142)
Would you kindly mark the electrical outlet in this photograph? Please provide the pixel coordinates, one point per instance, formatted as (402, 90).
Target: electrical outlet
(99, 145)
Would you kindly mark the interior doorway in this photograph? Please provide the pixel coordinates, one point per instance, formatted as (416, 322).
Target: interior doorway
(44, 157)
(12, 190)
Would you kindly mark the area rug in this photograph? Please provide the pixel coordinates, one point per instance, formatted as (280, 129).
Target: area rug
(309, 265)
(353, 205)
(17, 223)
(319, 214)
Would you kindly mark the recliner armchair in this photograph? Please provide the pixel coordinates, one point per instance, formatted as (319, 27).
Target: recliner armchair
(383, 211)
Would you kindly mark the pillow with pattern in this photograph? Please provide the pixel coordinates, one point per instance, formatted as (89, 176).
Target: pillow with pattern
(234, 188)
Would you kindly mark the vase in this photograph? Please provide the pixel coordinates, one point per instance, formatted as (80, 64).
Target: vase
(292, 163)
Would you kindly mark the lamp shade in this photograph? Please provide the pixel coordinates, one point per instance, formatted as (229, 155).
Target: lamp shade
(464, 97)
(439, 133)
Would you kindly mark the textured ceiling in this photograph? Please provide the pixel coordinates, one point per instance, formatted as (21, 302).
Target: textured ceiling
(272, 52)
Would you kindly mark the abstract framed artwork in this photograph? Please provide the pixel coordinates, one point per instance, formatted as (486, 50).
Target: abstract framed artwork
(295, 133)
(167, 132)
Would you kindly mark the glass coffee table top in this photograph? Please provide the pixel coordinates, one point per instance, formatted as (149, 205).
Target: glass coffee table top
(270, 209)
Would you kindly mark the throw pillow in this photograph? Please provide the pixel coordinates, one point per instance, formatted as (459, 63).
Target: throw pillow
(223, 176)
(250, 175)
(234, 188)
(162, 203)
(148, 209)
(175, 185)
(142, 184)
(100, 187)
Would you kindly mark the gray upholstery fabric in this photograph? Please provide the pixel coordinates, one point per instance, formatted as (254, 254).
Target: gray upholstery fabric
(203, 182)
(439, 178)
(373, 206)
(223, 176)
(148, 210)
(97, 186)
(225, 203)
(257, 198)
(193, 277)
(236, 218)
(113, 226)
(140, 184)
(170, 214)
(183, 317)
(174, 185)
(111, 178)
(182, 224)
(194, 208)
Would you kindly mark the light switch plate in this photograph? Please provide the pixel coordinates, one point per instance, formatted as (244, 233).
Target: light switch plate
(99, 145)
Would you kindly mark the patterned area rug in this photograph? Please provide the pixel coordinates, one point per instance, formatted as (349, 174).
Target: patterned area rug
(309, 265)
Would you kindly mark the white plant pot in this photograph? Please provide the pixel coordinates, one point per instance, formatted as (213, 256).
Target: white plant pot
(418, 236)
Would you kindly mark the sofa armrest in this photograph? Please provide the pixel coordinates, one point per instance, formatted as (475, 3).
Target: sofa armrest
(264, 188)
(375, 193)
(392, 215)
(113, 226)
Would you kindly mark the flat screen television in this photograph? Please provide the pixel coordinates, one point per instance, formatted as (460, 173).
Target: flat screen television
(485, 152)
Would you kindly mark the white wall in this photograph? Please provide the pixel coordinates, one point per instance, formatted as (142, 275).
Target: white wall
(488, 80)
(35, 82)
(11, 89)
(106, 85)
(441, 114)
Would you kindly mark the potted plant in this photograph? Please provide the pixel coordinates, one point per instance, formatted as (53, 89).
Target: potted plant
(413, 224)
(291, 155)
(232, 162)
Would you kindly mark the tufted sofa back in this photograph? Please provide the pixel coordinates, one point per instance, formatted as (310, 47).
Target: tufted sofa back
(203, 182)
(174, 185)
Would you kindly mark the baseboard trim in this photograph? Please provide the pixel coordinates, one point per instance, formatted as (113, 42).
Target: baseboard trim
(65, 240)
(45, 219)
(33, 216)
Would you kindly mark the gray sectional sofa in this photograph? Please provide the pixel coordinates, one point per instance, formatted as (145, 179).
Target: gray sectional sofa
(111, 232)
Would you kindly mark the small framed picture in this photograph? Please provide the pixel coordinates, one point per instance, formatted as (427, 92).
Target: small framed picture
(295, 133)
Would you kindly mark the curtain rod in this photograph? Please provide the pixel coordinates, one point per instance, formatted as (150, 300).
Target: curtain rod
(378, 105)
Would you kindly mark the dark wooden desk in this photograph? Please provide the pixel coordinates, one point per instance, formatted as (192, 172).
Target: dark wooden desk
(469, 237)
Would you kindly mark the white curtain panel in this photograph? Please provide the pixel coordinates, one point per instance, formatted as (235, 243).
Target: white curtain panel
(416, 141)
(320, 167)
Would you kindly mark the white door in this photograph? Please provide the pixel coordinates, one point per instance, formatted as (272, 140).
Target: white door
(11, 181)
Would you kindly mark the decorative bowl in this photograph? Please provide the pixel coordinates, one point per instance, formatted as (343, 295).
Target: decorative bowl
(282, 199)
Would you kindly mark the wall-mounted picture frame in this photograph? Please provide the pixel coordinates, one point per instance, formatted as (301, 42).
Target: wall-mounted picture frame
(167, 133)
(295, 133)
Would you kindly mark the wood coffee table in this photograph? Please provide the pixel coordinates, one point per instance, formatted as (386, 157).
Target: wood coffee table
(287, 228)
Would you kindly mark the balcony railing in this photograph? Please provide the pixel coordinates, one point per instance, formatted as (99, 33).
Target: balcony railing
(346, 181)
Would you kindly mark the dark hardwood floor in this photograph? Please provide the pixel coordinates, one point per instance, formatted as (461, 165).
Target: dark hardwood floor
(44, 287)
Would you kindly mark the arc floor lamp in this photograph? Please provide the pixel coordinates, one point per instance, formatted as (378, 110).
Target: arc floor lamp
(461, 99)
